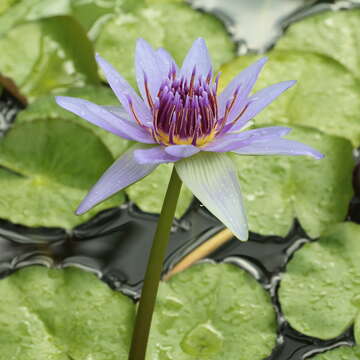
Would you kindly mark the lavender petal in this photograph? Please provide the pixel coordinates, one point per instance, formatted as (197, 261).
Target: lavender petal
(232, 141)
(124, 172)
(260, 100)
(278, 147)
(155, 155)
(212, 178)
(147, 67)
(245, 80)
(118, 111)
(166, 61)
(102, 117)
(198, 57)
(124, 91)
(181, 151)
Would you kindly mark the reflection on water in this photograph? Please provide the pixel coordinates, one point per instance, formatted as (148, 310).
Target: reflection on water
(8, 110)
(255, 25)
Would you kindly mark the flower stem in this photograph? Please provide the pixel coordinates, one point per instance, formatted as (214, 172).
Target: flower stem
(153, 271)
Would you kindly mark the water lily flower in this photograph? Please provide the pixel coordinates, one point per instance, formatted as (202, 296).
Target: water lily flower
(180, 118)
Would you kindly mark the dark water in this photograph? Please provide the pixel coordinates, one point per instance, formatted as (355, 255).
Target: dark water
(116, 243)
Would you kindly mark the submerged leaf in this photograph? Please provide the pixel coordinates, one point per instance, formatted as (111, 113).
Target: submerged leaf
(56, 162)
(319, 292)
(212, 311)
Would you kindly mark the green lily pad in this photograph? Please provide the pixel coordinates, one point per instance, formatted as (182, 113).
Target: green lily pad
(326, 95)
(149, 193)
(45, 107)
(319, 292)
(94, 14)
(6, 4)
(53, 314)
(43, 55)
(212, 311)
(334, 33)
(56, 162)
(340, 353)
(90, 14)
(278, 189)
(16, 12)
(172, 26)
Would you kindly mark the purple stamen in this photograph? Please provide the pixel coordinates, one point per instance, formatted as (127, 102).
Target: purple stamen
(185, 110)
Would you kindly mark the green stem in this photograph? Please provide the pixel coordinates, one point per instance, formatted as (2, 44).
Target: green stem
(153, 271)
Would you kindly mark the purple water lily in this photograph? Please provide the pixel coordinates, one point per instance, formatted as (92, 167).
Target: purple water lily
(181, 118)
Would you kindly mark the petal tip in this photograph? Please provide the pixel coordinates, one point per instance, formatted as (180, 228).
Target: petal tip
(264, 60)
(291, 83)
(141, 40)
(318, 155)
(98, 57)
(242, 234)
(80, 210)
(59, 99)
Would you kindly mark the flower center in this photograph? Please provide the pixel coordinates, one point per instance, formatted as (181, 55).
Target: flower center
(185, 111)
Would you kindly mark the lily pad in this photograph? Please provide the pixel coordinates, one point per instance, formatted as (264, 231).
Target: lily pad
(45, 107)
(342, 352)
(212, 311)
(43, 55)
(334, 33)
(319, 292)
(55, 163)
(149, 193)
(278, 189)
(94, 14)
(172, 26)
(6, 4)
(326, 96)
(16, 12)
(90, 14)
(53, 314)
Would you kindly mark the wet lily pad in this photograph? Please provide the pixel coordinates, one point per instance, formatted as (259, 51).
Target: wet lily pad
(16, 12)
(212, 311)
(45, 107)
(172, 26)
(53, 314)
(319, 292)
(278, 189)
(326, 96)
(340, 353)
(93, 14)
(334, 33)
(90, 14)
(55, 164)
(148, 194)
(43, 55)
